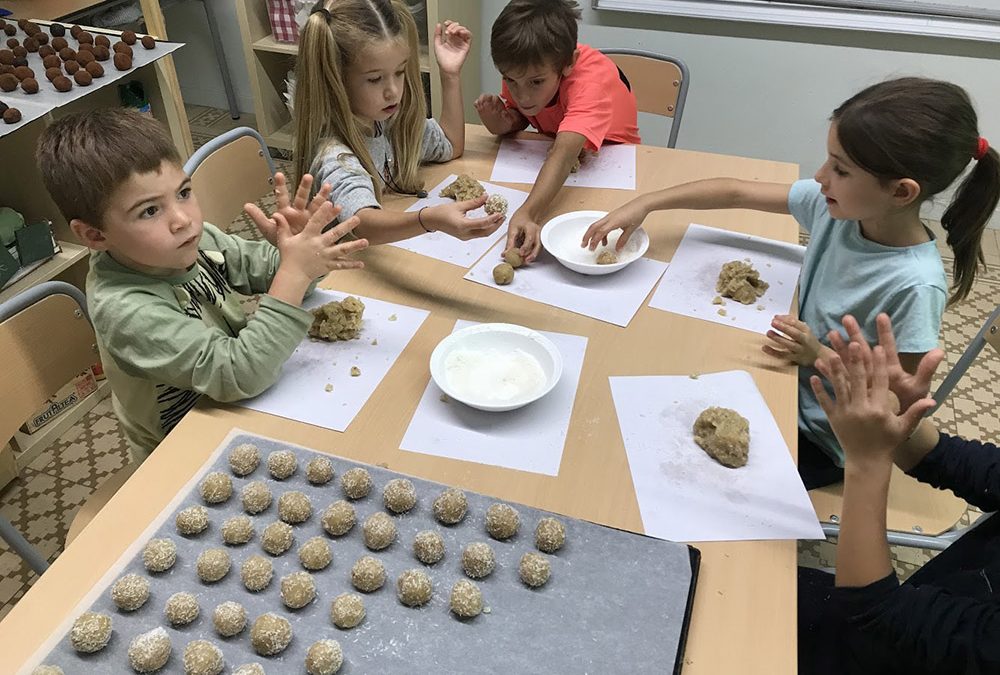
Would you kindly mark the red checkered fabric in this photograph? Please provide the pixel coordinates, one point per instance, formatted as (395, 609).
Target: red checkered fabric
(283, 24)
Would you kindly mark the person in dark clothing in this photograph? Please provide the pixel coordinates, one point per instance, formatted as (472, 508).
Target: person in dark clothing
(946, 617)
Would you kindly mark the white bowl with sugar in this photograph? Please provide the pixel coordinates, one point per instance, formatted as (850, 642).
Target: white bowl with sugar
(562, 235)
(496, 366)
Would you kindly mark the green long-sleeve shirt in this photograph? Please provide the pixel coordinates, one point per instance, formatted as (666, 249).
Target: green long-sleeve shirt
(166, 341)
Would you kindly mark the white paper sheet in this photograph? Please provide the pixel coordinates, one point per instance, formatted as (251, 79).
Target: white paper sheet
(300, 393)
(685, 495)
(688, 287)
(527, 439)
(441, 246)
(520, 160)
(614, 298)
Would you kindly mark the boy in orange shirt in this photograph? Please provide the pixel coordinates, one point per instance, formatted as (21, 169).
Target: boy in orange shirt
(559, 87)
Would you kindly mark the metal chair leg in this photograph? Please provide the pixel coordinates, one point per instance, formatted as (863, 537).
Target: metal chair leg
(21, 546)
(220, 56)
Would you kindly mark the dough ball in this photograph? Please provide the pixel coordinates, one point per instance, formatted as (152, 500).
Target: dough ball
(277, 538)
(182, 608)
(122, 61)
(91, 632)
(85, 38)
(607, 257)
(213, 564)
(229, 619)
(270, 634)
(192, 520)
(148, 652)
(503, 274)
(502, 521)
(237, 530)
(201, 657)
(159, 555)
(297, 589)
(294, 507)
(29, 85)
(550, 535)
(256, 573)
(95, 69)
(466, 599)
(128, 37)
(57, 30)
(256, 497)
(315, 554)
(450, 506)
(725, 435)
(52, 73)
(11, 115)
(245, 458)
(339, 518)
(428, 546)
(347, 610)
(319, 471)
(8, 82)
(337, 320)
(71, 67)
(399, 495)
(463, 188)
(122, 48)
(513, 258)
(356, 483)
(368, 574)
(324, 658)
(130, 592)
(478, 560)
(379, 530)
(413, 588)
(45, 669)
(148, 42)
(250, 669)
(282, 464)
(741, 282)
(534, 569)
(496, 204)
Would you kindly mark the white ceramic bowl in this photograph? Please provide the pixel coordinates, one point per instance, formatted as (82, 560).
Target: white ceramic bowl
(562, 235)
(479, 366)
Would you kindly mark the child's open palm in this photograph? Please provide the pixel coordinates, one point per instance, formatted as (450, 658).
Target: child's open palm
(452, 41)
(295, 212)
(311, 253)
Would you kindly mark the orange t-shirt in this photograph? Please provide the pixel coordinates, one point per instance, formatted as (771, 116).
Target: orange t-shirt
(592, 101)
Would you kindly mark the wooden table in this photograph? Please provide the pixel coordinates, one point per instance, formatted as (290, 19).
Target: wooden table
(744, 617)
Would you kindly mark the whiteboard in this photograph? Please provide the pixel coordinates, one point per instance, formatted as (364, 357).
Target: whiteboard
(977, 20)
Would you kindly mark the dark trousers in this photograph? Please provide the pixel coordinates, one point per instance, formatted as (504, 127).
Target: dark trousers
(815, 467)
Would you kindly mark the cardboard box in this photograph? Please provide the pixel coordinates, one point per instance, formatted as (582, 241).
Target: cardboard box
(72, 393)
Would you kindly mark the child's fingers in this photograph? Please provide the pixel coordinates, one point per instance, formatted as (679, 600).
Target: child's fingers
(280, 190)
(322, 196)
(886, 338)
(338, 265)
(792, 331)
(341, 229)
(838, 378)
(825, 402)
(263, 223)
(281, 228)
(622, 239)
(781, 340)
(880, 376)
(917, 411)
(534, 249)
(776, 353)
(596, 232)
(302, 193)
(929, 365)
(471, 204)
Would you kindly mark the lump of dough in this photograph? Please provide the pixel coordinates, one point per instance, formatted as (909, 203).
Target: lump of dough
(256, 573)
(347, 610)
(181, 609)
(294, 507)
(339, 518)
(201, 657)
(315, 554)
(244, 459)
(213, 564)
(462, 188)
(270, 634)
(282, 464)
(277, 538)
(741, 282)
(256, 497)
(192, 520)
(337, 320)
(298, 589)
(428, 546)
(319, 471)
(450, 506)
(413, 588)
(503, 274)
(91, 632)
(379, 530)
(324, 658)
(496, 204)
(534, 569)
(46, 669)
(399, 495)
(148, 652)
(356, 483)
(368, 574)
(229, 619)
(159, 555)
(250, 669)
(216, 488)
(237, 530)
(724, 434)
(466, 599)
(513, 258)
(130, 592)
(502, 521)
(607, 257)
(478, 560)
(550, 535)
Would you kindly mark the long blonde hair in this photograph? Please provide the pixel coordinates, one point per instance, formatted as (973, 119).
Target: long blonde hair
(322, 109)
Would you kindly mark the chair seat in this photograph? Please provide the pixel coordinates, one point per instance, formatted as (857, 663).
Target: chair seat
(97, 501)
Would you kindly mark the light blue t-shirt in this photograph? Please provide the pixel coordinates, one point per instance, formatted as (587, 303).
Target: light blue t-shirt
(844, 273)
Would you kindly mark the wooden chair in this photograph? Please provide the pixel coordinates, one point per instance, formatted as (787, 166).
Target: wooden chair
(660, 84)
(227, 172)
(918, 515)
(47, 340)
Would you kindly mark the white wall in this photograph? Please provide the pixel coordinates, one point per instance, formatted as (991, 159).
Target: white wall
(767, 91)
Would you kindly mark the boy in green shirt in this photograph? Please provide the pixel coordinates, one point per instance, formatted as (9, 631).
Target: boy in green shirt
(164, 289)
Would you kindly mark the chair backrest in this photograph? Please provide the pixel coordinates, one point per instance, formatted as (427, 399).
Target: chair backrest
(229, 171)
(46, 339)
(659, 83)
(989, 334)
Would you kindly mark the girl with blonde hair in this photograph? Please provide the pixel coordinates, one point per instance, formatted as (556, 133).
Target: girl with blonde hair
(360, 118)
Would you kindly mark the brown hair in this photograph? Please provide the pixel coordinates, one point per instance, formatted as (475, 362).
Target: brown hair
(533, 33)
(85, 157)
(327, 44)
(927, 130)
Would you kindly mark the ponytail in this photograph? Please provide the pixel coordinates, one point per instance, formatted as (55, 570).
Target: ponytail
(966, 218)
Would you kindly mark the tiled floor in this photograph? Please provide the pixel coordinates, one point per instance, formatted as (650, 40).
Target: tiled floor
(44, 499)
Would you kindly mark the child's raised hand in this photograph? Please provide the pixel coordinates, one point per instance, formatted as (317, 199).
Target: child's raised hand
(524, 234)
(451, 219)
(311, 252)
(792, 340)
(492, 113)
(451, 46)
(296, 211)
(627, 218)
(863, 415)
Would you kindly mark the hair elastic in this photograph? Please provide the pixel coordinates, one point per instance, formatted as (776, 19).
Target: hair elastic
(981, 147)
(318, 8)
